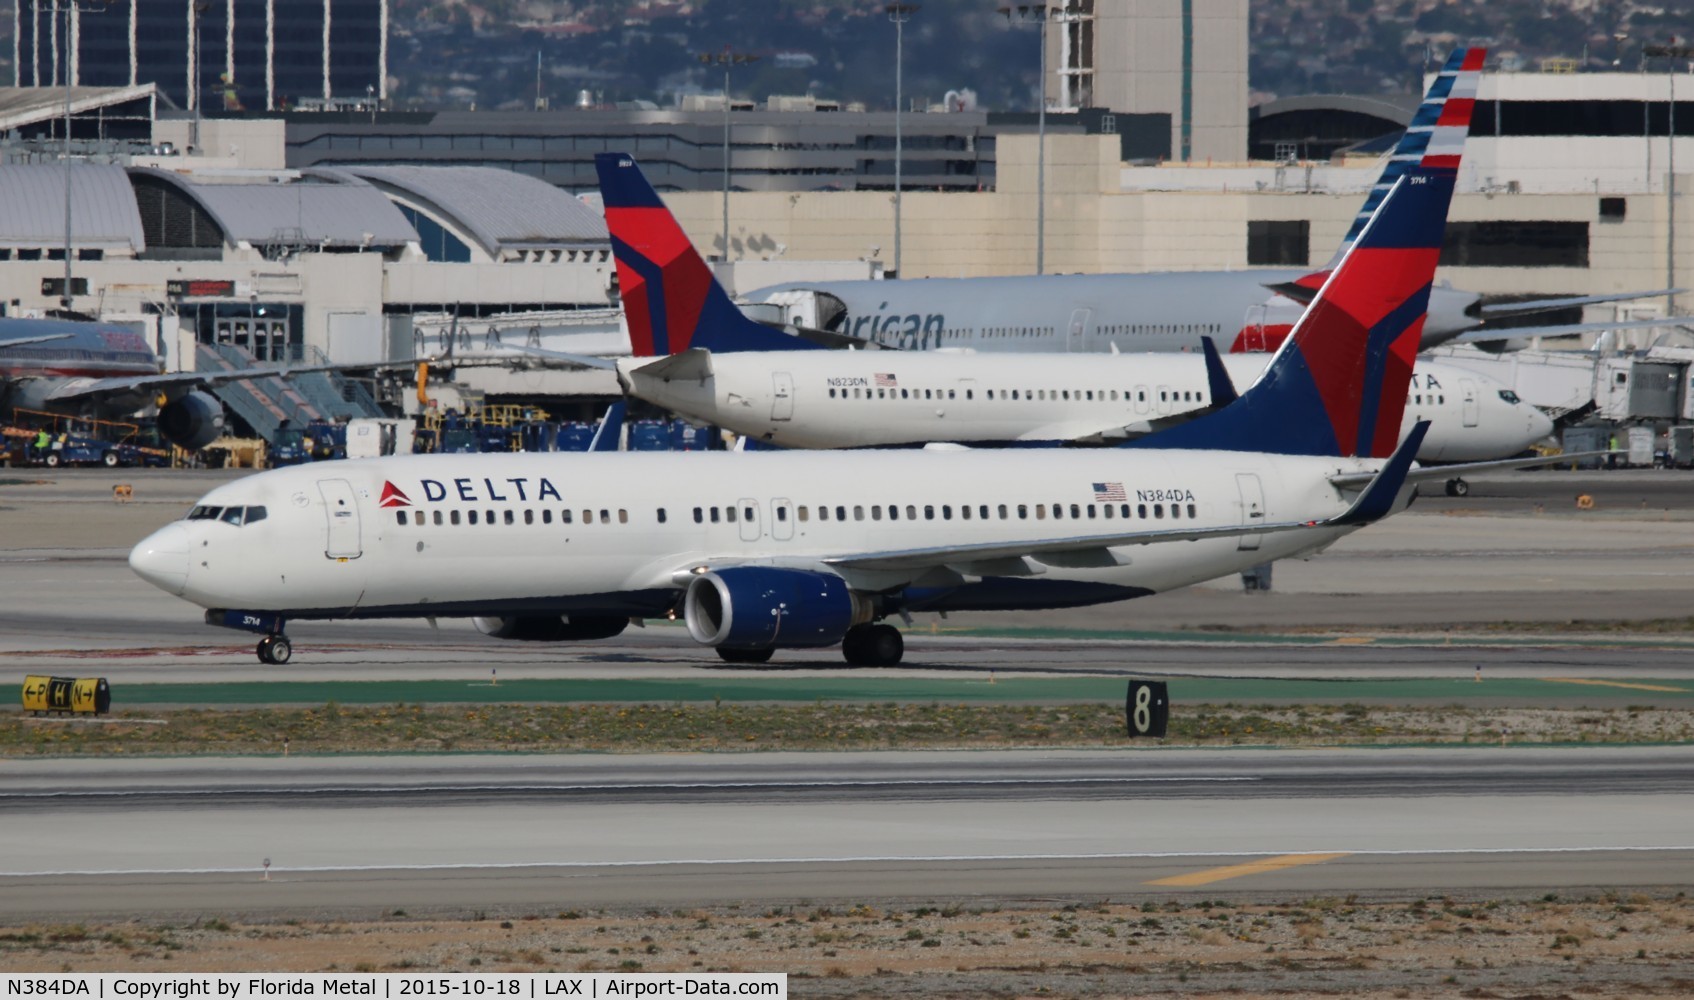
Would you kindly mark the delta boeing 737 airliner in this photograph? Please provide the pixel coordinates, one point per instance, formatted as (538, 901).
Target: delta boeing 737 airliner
(762, 551)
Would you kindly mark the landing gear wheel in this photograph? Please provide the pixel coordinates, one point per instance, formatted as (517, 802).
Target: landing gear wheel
(872, 646)
(745, 655)
(275, 650)
(884, 645)
(1458, 488)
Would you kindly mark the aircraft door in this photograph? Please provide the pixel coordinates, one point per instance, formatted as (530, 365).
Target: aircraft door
(1472, 405)
(341, 508)
(1252, 330)
(782, 396)
(1141, 393)
(1076, 340)
(1164, 399)
(747, 516)
(782, 519)
(1252, 507)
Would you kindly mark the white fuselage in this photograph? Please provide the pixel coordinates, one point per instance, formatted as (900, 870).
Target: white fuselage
(855, 399)
(1083, 313)
(619, 533)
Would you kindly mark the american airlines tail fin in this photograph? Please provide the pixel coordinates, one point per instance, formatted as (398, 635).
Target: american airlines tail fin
(1435, 138)
(670, 299)
(1338, 384)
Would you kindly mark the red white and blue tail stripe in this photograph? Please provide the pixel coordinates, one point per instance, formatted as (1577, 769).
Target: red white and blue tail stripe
(1435, 137)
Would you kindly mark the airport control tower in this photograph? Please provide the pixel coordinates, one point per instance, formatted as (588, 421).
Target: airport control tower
(1185, 59)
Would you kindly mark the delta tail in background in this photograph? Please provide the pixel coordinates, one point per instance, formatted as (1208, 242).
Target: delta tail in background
(773, 550)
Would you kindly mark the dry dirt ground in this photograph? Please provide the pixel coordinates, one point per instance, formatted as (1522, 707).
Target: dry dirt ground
(1599, 946)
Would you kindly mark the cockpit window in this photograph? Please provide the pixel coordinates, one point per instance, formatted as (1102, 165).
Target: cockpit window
(1510, 396)
(228, 515)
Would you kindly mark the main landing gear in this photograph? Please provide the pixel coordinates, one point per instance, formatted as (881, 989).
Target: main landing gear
(1457, 487)
(275, 649)
(873, 646)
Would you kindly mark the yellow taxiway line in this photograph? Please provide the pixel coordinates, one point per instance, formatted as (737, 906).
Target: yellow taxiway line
(1211, 875)
(1613, 684)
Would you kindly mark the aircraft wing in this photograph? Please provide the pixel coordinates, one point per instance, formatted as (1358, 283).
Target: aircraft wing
(1427, 472)
(1500, 334)
(25, 341)
(1545, 305)
(86, 388)
(1374, 502)
(512, 353)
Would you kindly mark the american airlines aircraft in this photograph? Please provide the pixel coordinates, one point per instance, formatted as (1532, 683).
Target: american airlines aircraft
(1243, 310)
(853, 399)
(776, 550)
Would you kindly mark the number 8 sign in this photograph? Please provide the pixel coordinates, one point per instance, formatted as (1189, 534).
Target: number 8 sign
(1147, 709)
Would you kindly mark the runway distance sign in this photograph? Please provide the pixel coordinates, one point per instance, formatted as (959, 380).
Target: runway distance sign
(1147, 709)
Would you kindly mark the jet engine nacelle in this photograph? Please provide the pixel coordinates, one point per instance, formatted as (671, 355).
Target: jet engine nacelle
(550, 628)
(759, 607)
(192, 422)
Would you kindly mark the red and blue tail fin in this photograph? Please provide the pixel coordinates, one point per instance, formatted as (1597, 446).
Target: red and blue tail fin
(1338, 384)
(670, 299)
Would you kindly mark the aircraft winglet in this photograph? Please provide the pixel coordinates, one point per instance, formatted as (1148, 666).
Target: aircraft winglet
(1377, 500)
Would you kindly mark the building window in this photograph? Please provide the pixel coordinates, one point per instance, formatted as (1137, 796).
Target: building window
(1525, 243)
(1613, 209)
(1278, 242)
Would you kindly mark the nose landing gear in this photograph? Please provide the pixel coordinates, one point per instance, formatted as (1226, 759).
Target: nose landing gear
(275, 650)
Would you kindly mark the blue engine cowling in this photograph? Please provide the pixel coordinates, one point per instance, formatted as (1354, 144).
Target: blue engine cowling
(759, 607)
(192, 422)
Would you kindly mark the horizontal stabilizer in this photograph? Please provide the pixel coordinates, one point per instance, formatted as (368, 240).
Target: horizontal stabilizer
(1428, 472)
(692, 365)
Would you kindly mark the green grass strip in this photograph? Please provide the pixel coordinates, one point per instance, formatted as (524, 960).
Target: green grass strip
(965, 689)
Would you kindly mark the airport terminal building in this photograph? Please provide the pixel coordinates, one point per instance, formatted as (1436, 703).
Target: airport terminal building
(396, 224)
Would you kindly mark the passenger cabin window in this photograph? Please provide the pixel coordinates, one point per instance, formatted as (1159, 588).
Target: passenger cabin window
(400, 517)
(471, 516)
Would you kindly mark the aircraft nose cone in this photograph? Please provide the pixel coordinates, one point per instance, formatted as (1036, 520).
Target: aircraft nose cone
(1540, 424)
(162, 558)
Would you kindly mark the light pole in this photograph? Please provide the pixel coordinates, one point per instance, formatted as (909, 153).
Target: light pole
(728, 59)
(1671, 52)
(70, 47)
(899, 13)
(1018, 16)
(194, 95)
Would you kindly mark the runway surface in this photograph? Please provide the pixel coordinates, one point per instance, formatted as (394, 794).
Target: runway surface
(366, 835)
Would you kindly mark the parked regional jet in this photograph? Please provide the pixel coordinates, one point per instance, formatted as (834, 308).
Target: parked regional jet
(107, 371)
(1243, 310)
(853, 399)
(773, 550)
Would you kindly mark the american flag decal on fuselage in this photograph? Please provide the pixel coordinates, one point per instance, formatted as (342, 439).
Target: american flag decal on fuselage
(1109, 492)
(883, 380)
